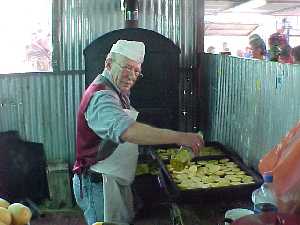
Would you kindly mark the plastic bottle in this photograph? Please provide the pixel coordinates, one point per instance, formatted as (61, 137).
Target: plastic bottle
(263, 198)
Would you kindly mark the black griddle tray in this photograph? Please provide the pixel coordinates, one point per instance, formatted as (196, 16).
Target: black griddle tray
(211, 194)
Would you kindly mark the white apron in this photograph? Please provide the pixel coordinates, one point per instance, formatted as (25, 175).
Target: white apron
(118, 171)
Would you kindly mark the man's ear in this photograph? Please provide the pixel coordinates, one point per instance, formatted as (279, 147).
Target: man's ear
(108, 64)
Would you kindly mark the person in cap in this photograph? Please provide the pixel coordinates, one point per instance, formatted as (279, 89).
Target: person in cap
(258, 47)
(108, 137)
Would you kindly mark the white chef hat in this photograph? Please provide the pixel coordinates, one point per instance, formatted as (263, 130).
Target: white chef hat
(133, 50)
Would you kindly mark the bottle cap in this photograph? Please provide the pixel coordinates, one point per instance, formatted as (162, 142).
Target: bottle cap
(268, 177)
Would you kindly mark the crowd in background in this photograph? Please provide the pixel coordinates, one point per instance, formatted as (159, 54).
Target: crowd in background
(279, 49)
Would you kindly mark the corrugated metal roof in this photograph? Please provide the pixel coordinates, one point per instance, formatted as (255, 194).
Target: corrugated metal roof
(229, 29)
(273, 7)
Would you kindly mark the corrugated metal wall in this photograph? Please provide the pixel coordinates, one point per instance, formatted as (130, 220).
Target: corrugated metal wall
(79, 22)
(42, 107)
(251, 104)
(76, 24)
(250, 110)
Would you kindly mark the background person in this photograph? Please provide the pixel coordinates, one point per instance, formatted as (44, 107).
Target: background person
(258, 47)
(296, 54)
(240, 53)
(280, 50)
(108, 137)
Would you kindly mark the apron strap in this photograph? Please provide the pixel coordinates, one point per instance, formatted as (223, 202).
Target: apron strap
(107, 147)
(80, 185)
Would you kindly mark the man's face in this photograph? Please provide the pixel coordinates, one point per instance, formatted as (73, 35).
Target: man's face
(125, 74)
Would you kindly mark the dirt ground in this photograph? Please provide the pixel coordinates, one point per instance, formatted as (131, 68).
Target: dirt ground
(158, 216)
(175, 214)
(59, 219)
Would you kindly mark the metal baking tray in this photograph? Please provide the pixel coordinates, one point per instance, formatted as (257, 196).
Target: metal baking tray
(149, 187)
(211, 194)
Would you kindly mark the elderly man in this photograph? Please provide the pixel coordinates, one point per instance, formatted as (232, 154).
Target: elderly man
(108, 137)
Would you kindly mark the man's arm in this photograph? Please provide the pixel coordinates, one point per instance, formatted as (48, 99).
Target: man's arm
(108, 120)
(143, 134)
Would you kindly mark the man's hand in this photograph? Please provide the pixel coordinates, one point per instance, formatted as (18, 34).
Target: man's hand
(191, 140)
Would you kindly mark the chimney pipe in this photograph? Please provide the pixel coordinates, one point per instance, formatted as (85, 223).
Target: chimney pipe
(131, 13)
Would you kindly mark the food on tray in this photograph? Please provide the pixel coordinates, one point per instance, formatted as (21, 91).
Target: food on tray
(166, 154)
(183, 155)
(210, 150)
(141, 169)
(180, 159)
(144, 168)
(209, 174)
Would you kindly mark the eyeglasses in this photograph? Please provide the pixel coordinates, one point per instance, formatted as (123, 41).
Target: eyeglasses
(130, 69)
